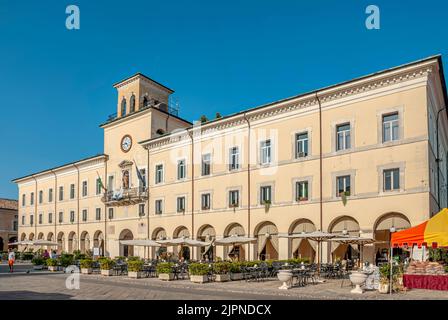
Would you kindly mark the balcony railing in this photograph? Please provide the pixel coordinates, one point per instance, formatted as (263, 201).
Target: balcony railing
(125, 197)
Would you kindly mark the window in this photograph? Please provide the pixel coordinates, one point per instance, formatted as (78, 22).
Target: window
(84, 215)
(234, 198)
(205, 201)
(343, 137)
(141, 210)
(110, 183)
(265, 149)
(159, 206)
(72, 191)
(23, 220)
(123, 107)
(98, 186)
(181, 173)
(265, 194)
(72, 216)
(98, 214)
(301, 145)
(132, 103)
(206, 160)
(50, 195)
(302, 190)
(23, 200)
(40, 218)
(61, 193)
(32, 198)
(31, 219)
(391, 179)
(41, 196)
(111, 213)
(15, 226)
(159, 173)
(84, 188)
(180, 204)
(343, 185)
(234, 159)
(61, 217)
(390, 127)
(50, 217)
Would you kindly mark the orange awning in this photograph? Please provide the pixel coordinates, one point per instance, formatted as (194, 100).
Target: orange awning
(433, 232)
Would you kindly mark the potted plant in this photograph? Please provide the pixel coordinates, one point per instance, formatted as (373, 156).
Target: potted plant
(135, 268)
(52, 264)
(267, 205)
(106, 266)
(221, 270)
(300, 199)
(65, 260)
(165, 271)
(38, 262)
(234, 206)
(235, 271)
(344, 196)
(86, 266)
(198, 272)
(384, 285)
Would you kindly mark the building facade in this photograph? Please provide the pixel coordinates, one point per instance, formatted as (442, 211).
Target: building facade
(8, 222)
(364, 157)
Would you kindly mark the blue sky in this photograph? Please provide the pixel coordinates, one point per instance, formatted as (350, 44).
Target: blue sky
(219, 56)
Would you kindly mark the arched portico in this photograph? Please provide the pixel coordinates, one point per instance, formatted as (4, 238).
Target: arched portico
(267, 241)
(302, 248)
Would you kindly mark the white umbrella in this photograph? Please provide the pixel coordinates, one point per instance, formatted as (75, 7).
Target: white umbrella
(43, 242)
(235, 240)
(183, 241)
(141, 243)
(22, 243)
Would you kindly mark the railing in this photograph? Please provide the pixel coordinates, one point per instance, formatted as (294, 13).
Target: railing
(124, 197)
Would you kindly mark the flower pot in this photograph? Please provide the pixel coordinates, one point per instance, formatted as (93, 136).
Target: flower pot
(383, 287)
(105, 272)
(135, 274)
(285, 276)
(86, 270)
(52, 268)
(236, 276)
(166, 276)
(222, 277)
(357, 278)
(199, 279)
(39, 267)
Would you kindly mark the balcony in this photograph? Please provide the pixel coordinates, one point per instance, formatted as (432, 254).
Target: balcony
(125, 197)
(172, 109)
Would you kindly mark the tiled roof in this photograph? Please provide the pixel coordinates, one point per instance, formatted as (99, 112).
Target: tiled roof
(8, 204)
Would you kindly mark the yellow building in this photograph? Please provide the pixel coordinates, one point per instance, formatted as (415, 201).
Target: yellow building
(358, 157)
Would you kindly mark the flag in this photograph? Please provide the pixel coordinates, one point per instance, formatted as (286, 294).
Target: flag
(101, 182)
(139, 175)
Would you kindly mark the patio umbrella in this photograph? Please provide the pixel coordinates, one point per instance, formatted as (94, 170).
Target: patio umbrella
(317, 236)
(42, 242)
(183, 241)
(235, 240)
(360, 241)
(21, 243)
(141, 243)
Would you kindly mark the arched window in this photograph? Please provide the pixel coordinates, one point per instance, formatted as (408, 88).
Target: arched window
(132, 103)
(123, 107)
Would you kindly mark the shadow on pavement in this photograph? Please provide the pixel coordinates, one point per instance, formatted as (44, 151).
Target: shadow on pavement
(31, 295)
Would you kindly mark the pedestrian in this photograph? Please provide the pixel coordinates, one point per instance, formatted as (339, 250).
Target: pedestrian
(46, 255)
(11, 259)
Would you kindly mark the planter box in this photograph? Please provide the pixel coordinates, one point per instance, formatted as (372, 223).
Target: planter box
(135, 274)
(199, 279)
(166, 276)
(107, 272)
(236, 276)
(383, 288)
(52, 268)
(222, 277)
(86, 270)
(38, 267)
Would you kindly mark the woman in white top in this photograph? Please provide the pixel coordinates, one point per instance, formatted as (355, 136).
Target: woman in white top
(11, 260)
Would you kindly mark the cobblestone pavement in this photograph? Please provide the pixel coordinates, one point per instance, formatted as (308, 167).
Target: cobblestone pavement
(45, 285)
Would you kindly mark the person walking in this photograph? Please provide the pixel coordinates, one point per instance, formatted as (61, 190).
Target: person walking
(11, 259)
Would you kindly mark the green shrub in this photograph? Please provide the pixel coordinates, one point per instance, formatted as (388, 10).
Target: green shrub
(106, 263)
(133, 258)
(135, 265)
(38, 261)
(120, 258)
(86, 263)
(235, 267)
(198, 269)
(27, 256)
(221, 267)
(51, 262)
(66, 259)
(164, 267)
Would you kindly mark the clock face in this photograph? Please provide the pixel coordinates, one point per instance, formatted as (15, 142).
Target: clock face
(126, 143)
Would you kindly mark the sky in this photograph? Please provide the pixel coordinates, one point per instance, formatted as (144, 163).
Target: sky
(218, 56)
